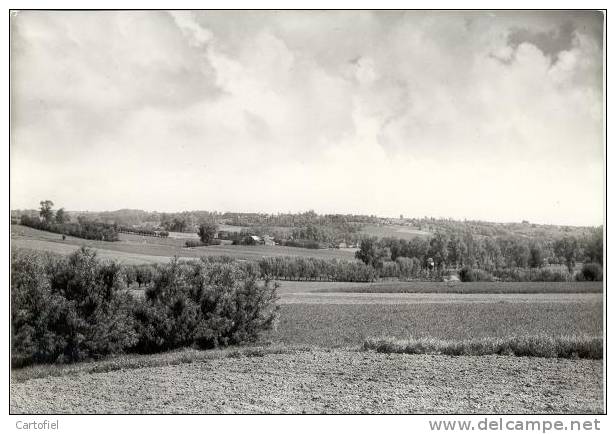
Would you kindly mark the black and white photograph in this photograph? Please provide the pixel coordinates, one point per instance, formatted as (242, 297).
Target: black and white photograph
(307, 211)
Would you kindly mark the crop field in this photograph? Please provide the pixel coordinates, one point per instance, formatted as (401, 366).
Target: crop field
(322, 381)
(348, 325)
(136, 248)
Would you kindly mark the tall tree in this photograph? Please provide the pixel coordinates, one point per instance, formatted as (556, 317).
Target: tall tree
(46, 210)
(536, 255)
(371, 253)
(566, 249)
(594, 246)
(456, 251)
(438, 250)
(61, 216)
(207, 232)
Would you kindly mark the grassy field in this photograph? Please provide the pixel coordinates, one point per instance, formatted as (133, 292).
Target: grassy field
(135, 248)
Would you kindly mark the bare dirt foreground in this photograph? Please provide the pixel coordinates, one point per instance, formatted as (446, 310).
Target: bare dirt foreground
(325, 381)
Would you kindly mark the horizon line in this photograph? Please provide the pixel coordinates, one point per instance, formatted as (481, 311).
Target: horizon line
(405, 217)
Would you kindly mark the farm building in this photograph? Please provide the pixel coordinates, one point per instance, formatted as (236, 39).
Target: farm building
(253, 239)
(451, 278)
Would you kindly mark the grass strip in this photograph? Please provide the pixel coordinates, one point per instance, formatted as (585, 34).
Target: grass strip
(138, 361)
(568, 347)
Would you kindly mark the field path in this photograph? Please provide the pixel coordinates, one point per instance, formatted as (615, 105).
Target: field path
(319, 381)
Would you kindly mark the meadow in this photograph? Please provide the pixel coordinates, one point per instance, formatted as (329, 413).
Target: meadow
(142, 249)
(395, 231)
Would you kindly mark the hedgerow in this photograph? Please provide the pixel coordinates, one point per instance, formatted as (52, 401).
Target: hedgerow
(84, 229)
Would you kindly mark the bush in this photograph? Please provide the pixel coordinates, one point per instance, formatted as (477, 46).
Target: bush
(68, 309)
(468, 274)
(590, 272)
(204, 303)
(306, 244)
(141, 274)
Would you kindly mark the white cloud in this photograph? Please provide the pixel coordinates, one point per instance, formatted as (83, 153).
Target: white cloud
(387, 113)
(197, 35)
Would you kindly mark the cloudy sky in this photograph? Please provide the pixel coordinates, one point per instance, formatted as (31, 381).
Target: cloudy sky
(479, 115)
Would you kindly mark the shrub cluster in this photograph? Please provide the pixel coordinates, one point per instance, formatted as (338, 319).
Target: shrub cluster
(84, 229)
(68, 308)
(590, 272)
(206, 304)
(467, 274)
(73, 308)
(141, 275)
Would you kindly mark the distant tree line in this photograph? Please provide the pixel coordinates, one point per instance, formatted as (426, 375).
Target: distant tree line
(330, 235)
(58, 222)
(511, 258)
(188, 221)
(296, 220)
